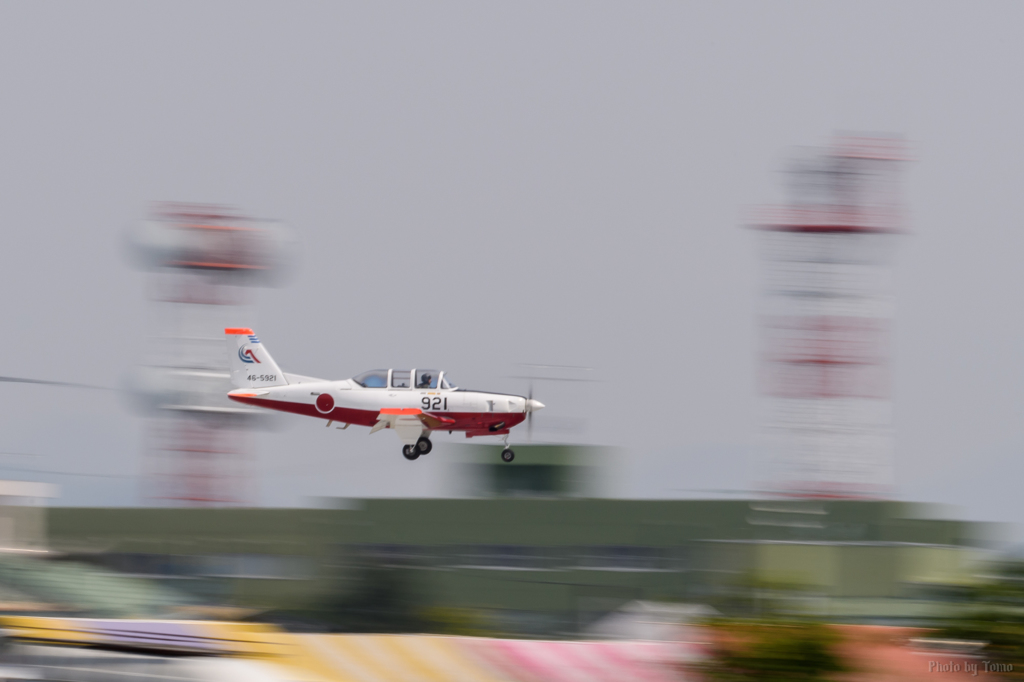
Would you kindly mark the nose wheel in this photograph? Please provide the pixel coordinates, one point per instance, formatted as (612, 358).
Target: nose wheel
(410, 452)
(507, 454)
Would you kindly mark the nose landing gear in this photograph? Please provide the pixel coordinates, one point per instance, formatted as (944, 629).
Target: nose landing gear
(507, 455)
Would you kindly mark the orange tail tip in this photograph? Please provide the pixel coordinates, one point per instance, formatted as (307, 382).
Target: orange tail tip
(238, 330)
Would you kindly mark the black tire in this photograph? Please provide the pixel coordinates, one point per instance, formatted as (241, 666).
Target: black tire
(424, 446)
(507, 455)
(409, 452)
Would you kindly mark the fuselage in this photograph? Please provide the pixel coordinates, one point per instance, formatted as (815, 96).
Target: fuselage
(477, 413)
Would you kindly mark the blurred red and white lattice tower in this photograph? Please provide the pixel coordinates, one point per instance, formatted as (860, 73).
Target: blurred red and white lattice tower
(203, 262)
(826, 321)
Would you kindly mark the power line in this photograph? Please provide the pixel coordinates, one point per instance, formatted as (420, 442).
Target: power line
(23, 380)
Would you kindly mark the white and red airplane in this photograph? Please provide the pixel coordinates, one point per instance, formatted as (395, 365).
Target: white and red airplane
(411, 402)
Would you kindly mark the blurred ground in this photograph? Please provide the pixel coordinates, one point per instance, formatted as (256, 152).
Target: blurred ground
(885, 654)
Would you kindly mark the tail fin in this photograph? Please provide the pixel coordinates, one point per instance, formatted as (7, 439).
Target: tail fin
(250, 362)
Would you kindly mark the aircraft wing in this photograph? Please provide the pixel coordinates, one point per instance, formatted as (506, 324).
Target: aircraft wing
(436, 421)
(409, 422)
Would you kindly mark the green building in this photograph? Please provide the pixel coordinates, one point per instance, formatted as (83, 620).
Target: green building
(535, 565)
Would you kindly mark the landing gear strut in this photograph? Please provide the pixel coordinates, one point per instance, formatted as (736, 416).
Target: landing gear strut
(507, 455)
(424, 446)
(410, 452)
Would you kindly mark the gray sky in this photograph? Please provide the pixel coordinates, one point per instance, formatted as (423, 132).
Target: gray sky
(479, 185)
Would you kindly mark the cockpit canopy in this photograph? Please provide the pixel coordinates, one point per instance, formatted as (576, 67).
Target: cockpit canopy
(375, 378)
(403, 378)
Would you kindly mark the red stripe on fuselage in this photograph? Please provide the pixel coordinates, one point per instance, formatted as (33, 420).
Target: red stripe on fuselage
(463, 421)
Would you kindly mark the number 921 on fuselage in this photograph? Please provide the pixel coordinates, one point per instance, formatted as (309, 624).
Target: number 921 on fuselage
(411, 402)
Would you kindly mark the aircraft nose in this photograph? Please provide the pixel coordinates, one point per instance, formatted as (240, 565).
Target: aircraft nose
(534, 405)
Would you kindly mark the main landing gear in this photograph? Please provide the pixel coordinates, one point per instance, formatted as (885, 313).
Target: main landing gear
(422, 447)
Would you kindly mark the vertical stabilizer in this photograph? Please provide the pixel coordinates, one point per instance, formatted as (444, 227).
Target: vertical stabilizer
(250, 362)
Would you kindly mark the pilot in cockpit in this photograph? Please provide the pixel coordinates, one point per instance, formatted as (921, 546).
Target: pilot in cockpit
(425, 381)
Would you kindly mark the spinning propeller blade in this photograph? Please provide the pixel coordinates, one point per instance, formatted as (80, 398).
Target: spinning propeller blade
(529, 415)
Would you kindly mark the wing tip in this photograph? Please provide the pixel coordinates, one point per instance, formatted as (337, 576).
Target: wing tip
(231, 331)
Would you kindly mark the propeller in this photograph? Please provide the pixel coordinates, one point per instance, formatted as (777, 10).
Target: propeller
(529, 414)
(531, 407)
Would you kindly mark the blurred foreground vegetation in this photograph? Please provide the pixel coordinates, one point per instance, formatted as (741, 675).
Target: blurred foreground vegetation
(772, 650)
(993, 614)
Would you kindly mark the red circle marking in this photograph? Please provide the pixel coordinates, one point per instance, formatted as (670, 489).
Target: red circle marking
(324, 402)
